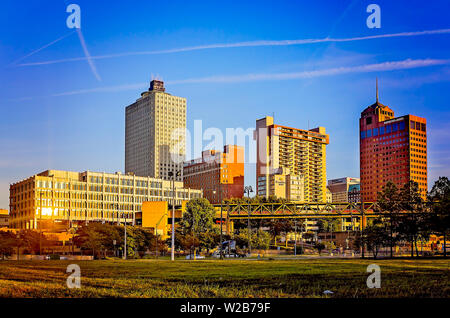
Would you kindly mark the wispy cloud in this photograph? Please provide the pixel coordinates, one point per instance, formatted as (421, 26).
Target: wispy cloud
(87, 55)
(366, 68)
(116, 88)
(244, 44)
(41, 48)
(379, 67)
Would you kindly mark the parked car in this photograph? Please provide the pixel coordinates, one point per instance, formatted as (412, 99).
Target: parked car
(52, 257)
(191, 256)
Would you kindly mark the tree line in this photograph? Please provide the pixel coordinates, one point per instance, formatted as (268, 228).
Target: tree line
(408, 218)
(197, 230)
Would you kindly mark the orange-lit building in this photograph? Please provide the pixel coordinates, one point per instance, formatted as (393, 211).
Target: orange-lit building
(4, 218)
(218, 174)
(391, 149)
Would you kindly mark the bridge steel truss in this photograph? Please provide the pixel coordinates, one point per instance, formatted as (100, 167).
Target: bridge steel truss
(306, 210)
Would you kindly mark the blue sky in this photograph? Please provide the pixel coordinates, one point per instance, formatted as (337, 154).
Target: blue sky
(60, 115)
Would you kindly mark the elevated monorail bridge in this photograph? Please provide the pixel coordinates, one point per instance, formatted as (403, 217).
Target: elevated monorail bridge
(294, 210)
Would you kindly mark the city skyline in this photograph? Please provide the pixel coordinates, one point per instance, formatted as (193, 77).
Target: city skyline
(318, 84)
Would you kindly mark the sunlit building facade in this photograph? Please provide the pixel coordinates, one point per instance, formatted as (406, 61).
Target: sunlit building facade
(155, 134)
(391, 149)
(4, 218)
(65, 196)
(293, 159)
(219, 174)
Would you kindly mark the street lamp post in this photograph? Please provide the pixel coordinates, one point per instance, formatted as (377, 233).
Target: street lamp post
(40, 225)
(156, 233)
(295, 238)
(173, 175)
(221, 219)
(248, 190)
(125, 240)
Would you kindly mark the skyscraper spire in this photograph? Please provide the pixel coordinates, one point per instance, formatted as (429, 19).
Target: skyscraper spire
(377, 90)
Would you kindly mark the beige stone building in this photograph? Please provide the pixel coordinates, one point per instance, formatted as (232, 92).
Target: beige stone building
(65, 196)
(291, 161)
(155, 133)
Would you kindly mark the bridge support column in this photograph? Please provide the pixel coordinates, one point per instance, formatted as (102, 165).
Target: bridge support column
(362, 225)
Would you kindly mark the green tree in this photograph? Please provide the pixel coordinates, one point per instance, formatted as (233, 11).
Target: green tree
(259, 239)
(320, 247)
(328, 225)
(7, 243)
(414, 224)
(440, 198)
(389, 201)
(376, 235)
(90, 237)
(32, 240)
(279, 227)
(139, 241)
(199, 216)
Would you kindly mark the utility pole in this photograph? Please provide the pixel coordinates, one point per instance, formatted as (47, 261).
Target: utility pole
(221, 218)
(156, 233)
(295, 238)
(40, 225)
(173, 175)
(125, 240)
(248, 190)
(361, 226)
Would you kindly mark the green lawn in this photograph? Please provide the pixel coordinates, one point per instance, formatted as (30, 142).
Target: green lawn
(228, 278)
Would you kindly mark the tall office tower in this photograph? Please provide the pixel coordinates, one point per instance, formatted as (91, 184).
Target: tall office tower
(155, 134)
(291, 162)
(391, 149)
(343, 189)
(219, 174)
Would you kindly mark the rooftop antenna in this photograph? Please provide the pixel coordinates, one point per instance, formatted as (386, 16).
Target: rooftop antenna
(377, 90)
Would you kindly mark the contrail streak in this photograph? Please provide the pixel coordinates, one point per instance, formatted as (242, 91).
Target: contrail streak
(367, 68)
(245, 44)
(88, 56)
(41, 48)
(379, 67)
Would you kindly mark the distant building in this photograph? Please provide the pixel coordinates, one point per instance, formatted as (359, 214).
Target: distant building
(354, 193)
(340, 188)
(68, 197)
(391, 149)
(290, 161)
(155, 134)
(4, 218)
(341, 240)
(329, 196)
(219, 174)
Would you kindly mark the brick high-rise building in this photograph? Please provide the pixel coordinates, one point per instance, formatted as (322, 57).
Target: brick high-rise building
(291, 162)
(155, 133)
(218, 174)
(391, 149)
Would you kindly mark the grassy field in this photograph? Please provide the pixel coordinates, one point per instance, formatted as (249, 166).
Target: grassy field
(229, 278)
